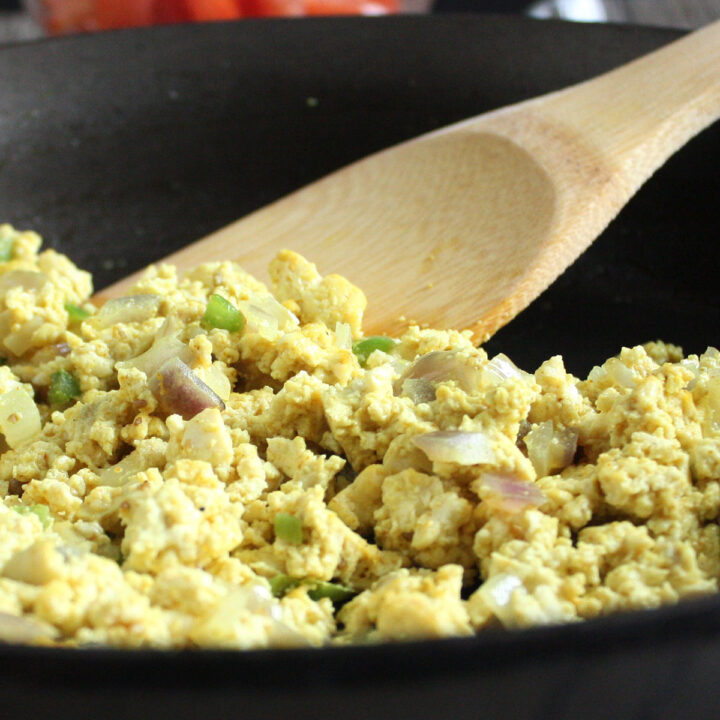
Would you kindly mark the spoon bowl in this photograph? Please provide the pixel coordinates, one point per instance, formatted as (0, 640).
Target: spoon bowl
(463, 227)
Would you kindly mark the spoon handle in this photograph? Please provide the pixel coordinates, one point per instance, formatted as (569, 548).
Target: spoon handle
(641, 113)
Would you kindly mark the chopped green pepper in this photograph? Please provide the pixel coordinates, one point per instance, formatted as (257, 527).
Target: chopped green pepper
(42, 511)
(367, 346)
(280, 584)
(317, 589)
(337, 593)
(76, 313)
(222, 314)
(7, 244)
(64, 388)
(288, 528)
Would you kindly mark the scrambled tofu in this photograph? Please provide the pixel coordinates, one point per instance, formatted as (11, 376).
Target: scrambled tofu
(212, 463)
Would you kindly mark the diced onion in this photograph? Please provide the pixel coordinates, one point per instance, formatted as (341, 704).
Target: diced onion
(712, 403)
(151, 455)
(178, 389)
(694, 367)
(509, 493)
(163, 349)
(497, 593)
(20, 341)
(343, 335)
(620, 373)
(216, 379)
(18, 629)
(19, 417)
(206, 437)
(419, 390)
(134, 308)
(62, 348)
(37, 564)
(550, 450)
(259, 321)
(439, 366)
(616, 370)
(259, 601)
(501, 368)
(26, 279)
(463, 448)
(265, 315)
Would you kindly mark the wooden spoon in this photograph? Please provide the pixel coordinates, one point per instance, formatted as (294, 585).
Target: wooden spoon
(465, 226)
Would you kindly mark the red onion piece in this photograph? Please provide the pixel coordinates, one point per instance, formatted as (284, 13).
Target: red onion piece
(510, 494)
(438, 366)
(178, 389)
(463, 448)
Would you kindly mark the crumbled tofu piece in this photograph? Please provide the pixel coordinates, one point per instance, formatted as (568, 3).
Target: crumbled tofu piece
(285, 495)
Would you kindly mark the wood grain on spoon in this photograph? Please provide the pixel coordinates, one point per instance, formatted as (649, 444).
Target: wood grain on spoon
(465, 226)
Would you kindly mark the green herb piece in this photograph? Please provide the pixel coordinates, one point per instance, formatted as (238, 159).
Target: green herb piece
(64, 388)
(337, 593)
(42, 511)
(364, 348)
(317, 589)
(7, 244)
(76, 313)
(280, 584)
(222, 314)
(288, 528)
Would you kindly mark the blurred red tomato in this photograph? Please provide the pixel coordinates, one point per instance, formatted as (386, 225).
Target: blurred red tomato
(170, 11)
(350, 7)
(272, 8)
(204, 10)
(63, 16)
(129, 13)
(254, 8)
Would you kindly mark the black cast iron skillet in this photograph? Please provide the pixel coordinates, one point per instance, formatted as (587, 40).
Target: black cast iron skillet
(122, 147)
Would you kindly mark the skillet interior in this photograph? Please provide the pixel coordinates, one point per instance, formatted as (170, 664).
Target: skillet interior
(121, 147)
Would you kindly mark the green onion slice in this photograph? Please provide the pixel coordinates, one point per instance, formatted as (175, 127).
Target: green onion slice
(367, 346)
(317, 589)
(64, 388)
(76, 313)
(7, 244)
(222, 314)
(288, 528)
(337, 593)
(42, 511)
(280, 584)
